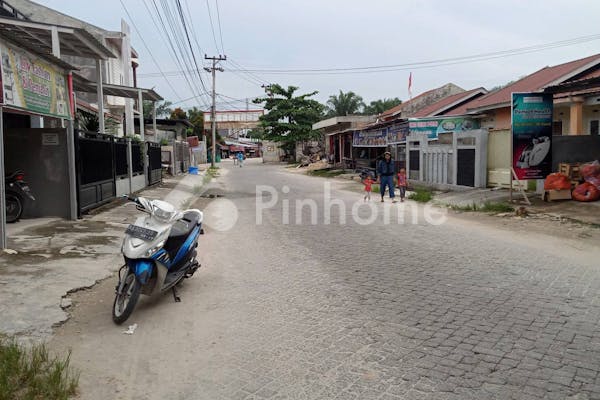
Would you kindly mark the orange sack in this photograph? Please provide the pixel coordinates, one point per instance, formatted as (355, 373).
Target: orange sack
(590, 170)
(557, 181)
(586, 192)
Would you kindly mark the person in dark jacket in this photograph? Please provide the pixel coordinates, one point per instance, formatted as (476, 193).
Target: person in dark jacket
(386, 172)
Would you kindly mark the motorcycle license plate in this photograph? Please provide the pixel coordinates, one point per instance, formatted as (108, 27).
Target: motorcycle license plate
(140, 232)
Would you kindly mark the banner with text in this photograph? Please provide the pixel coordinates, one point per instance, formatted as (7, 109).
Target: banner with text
(532, 135)
(32, 84)
(374, 138)
(433, 127)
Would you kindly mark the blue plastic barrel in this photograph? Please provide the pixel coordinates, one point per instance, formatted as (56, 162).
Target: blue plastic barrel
(193, 170)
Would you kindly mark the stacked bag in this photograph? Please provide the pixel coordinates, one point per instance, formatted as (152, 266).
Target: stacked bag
(590, 189)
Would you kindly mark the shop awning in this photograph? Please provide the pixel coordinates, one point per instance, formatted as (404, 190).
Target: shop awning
(81, 84)
(39, 36)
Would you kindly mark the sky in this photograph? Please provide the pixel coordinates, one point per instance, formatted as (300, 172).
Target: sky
(328, 34)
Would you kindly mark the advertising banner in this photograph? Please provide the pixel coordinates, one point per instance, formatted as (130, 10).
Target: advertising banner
(397, 133)
(532, 135)
(374, 138)
(32, 84)
(433, 127)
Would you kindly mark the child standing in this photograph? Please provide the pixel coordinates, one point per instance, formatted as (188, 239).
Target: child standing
(368, 181)
(402, 183)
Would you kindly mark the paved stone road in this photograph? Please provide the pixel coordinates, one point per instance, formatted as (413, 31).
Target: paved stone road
(351, 311)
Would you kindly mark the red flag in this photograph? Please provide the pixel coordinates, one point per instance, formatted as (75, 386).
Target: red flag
(410, 84)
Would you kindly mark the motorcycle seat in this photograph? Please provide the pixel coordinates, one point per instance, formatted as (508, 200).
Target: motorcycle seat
(180, 232)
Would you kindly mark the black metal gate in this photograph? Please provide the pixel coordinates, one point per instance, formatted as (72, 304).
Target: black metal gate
(466, 167)
(96, 169)
(154, 163)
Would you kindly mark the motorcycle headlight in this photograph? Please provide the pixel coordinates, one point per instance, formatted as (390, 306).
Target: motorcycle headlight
(163, 215)
(154, 249)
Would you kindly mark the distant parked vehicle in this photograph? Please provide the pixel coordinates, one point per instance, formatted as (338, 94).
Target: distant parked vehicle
(17, 191)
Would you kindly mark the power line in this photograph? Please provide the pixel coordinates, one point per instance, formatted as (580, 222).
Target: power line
(252, 78)
(190, 43)
(421, 64)
(219, 21)
(212, 27)
(173, 42)
(148, 50)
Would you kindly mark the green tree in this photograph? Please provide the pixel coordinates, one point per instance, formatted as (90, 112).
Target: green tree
(196, 117)
(163, 109)
(344, 104)
(289, 118)
(178, 113)
(379, 106)
(256, 133)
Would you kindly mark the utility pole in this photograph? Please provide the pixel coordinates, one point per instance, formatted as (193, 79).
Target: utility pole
(213, 117)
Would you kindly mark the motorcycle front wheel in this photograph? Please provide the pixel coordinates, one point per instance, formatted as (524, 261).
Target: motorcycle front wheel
(14, 208)
(125, 301)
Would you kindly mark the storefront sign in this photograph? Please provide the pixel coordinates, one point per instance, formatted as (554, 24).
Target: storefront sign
(32, 84)
(433, 127)
(397, 133)
(374, 138)
(532, 135)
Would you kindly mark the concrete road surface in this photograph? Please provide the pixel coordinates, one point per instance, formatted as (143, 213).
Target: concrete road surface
(342, 307)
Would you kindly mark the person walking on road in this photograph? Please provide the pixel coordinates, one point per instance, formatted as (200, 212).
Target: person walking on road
(385, 170)
(240, 158)
(368, 181)
(402, 183)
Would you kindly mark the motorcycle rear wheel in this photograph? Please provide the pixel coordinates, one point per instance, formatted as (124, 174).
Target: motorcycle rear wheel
(14, 207)
(125, 302)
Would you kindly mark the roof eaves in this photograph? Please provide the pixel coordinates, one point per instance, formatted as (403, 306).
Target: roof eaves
(573, 73)
(475, 110)
(459, 101)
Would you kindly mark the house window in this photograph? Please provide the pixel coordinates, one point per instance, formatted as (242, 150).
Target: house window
(594, 127)
(557, 128)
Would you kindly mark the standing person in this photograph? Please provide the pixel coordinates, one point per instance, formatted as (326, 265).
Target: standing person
(368, 181)
(385, 169)
(234, 156)
(402, 183)
(240, 157)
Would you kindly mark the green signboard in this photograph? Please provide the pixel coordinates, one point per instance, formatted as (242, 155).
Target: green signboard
(32, 84)
(532, 135)
(434, 126)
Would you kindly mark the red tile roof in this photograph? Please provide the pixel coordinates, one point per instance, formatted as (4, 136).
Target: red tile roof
(534, 82)
(395, 110)
(448, 104)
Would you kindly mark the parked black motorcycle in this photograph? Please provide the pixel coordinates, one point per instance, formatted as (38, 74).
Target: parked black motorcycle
(16, 192)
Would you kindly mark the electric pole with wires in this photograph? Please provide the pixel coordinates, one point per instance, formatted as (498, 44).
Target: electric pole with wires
(213, 111)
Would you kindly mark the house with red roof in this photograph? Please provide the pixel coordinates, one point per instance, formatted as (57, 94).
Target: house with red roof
(573, 114)
(570, 116)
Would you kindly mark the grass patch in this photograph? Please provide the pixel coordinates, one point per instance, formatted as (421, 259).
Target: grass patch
(327, 173)
(422, 195)
(212, 172)
(33, 374)
(488, 206)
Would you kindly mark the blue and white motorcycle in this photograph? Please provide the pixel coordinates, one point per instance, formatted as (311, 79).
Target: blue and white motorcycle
(159, 251)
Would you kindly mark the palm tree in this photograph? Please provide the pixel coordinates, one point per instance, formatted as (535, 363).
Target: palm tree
(344, 104)
(378, 106)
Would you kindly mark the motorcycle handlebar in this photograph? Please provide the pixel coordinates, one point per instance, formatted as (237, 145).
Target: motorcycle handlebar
(134, 199)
